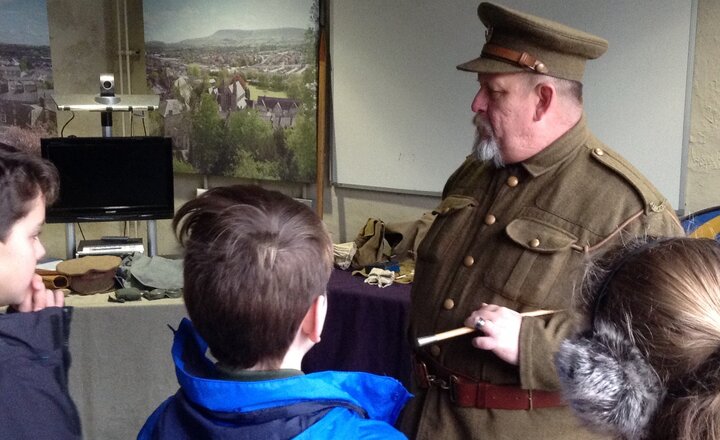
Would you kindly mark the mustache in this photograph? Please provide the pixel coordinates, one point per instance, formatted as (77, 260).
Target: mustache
(482, 124)
(485, 145)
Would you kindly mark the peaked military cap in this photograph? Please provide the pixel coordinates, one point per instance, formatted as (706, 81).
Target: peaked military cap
(519, 42)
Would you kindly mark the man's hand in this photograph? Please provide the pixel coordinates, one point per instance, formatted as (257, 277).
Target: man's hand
(40, 297)
(501, 330)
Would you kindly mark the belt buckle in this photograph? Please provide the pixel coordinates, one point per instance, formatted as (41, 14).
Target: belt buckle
(426, 380)
(440, 383)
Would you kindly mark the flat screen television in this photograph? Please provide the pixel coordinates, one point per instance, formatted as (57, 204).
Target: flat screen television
(111, 178)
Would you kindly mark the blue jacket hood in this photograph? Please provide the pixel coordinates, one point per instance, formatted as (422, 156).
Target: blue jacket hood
(382, 397)
(325, 405)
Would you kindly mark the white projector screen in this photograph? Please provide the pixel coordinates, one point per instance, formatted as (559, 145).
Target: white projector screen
(401, 111)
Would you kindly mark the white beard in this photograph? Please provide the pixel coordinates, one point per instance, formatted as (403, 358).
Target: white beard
(485, 146)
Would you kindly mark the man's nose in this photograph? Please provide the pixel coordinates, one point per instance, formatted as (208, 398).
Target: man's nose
(479, 103)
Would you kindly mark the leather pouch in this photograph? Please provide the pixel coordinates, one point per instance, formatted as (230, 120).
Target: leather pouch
(90, 274)
(53, 279)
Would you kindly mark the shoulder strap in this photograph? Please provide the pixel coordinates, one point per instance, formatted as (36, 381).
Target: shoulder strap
(653, 200)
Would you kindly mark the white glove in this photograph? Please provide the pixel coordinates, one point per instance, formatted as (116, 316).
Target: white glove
(380, 277)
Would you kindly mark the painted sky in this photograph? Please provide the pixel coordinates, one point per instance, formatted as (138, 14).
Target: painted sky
(171, 21)
(24, 22)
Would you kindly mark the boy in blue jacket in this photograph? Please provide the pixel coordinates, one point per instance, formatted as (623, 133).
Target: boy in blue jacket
(255, 270)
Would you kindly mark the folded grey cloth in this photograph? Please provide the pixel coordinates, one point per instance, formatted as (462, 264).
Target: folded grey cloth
(149, 273)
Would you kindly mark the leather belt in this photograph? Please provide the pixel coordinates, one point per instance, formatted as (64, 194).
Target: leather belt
(465, 392)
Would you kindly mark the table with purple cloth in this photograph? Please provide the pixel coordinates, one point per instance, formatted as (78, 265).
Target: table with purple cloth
(365, 329)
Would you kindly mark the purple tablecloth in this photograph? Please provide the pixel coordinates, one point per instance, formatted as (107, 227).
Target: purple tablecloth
(365, 329)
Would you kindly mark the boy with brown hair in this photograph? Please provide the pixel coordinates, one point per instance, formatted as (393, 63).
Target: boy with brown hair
(256, 267)
(34, 332)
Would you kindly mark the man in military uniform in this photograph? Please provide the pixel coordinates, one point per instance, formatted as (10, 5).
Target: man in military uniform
(518, 218)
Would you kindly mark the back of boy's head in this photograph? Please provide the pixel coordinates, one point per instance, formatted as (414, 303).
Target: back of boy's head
(23, 176)
(254, 262)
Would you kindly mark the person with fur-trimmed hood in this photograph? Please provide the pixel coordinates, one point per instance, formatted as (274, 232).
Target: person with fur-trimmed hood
(645, 363)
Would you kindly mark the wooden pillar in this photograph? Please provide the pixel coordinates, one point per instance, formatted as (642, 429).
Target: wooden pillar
(321, 118)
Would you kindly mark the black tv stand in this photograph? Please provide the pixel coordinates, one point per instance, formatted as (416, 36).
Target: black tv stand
(120, 103)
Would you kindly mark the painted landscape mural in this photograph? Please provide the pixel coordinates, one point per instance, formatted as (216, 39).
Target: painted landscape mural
(27, 111)
(238, 85)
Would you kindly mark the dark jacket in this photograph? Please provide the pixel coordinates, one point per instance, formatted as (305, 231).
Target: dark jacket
(34, 362)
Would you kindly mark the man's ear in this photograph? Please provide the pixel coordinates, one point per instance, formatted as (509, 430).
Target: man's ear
(314, 321)
(546, 96)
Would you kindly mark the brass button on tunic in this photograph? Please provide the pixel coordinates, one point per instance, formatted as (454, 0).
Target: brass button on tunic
(512, 181)
(435, 350)
(448, 304)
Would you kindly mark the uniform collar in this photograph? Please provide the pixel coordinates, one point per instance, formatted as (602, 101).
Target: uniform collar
(559, 151)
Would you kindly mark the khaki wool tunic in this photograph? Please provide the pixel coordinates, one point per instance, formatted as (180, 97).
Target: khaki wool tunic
(518, 237)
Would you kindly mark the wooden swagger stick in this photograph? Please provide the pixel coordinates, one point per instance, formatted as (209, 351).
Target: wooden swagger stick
(425, 340)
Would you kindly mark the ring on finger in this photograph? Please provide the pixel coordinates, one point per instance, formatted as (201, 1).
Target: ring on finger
(479, 323)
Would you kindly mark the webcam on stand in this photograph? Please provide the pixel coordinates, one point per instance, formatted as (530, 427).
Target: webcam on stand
(107, 90)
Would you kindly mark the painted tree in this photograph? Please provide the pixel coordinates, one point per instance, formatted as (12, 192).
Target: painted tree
(301, 141)
(207, 142)
(246, 131)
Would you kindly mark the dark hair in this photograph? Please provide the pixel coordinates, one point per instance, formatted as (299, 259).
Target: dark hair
(254, 262)
(649, 367)
(23, 177)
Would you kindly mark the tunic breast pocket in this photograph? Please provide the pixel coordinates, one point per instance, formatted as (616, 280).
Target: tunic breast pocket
(449, 228)
(530, 261)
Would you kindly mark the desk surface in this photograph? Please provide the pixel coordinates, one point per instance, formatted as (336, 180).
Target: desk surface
(101, 300)
(365, 329)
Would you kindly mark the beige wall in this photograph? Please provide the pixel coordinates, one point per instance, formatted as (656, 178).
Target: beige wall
(703, 161)
(83, 36)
